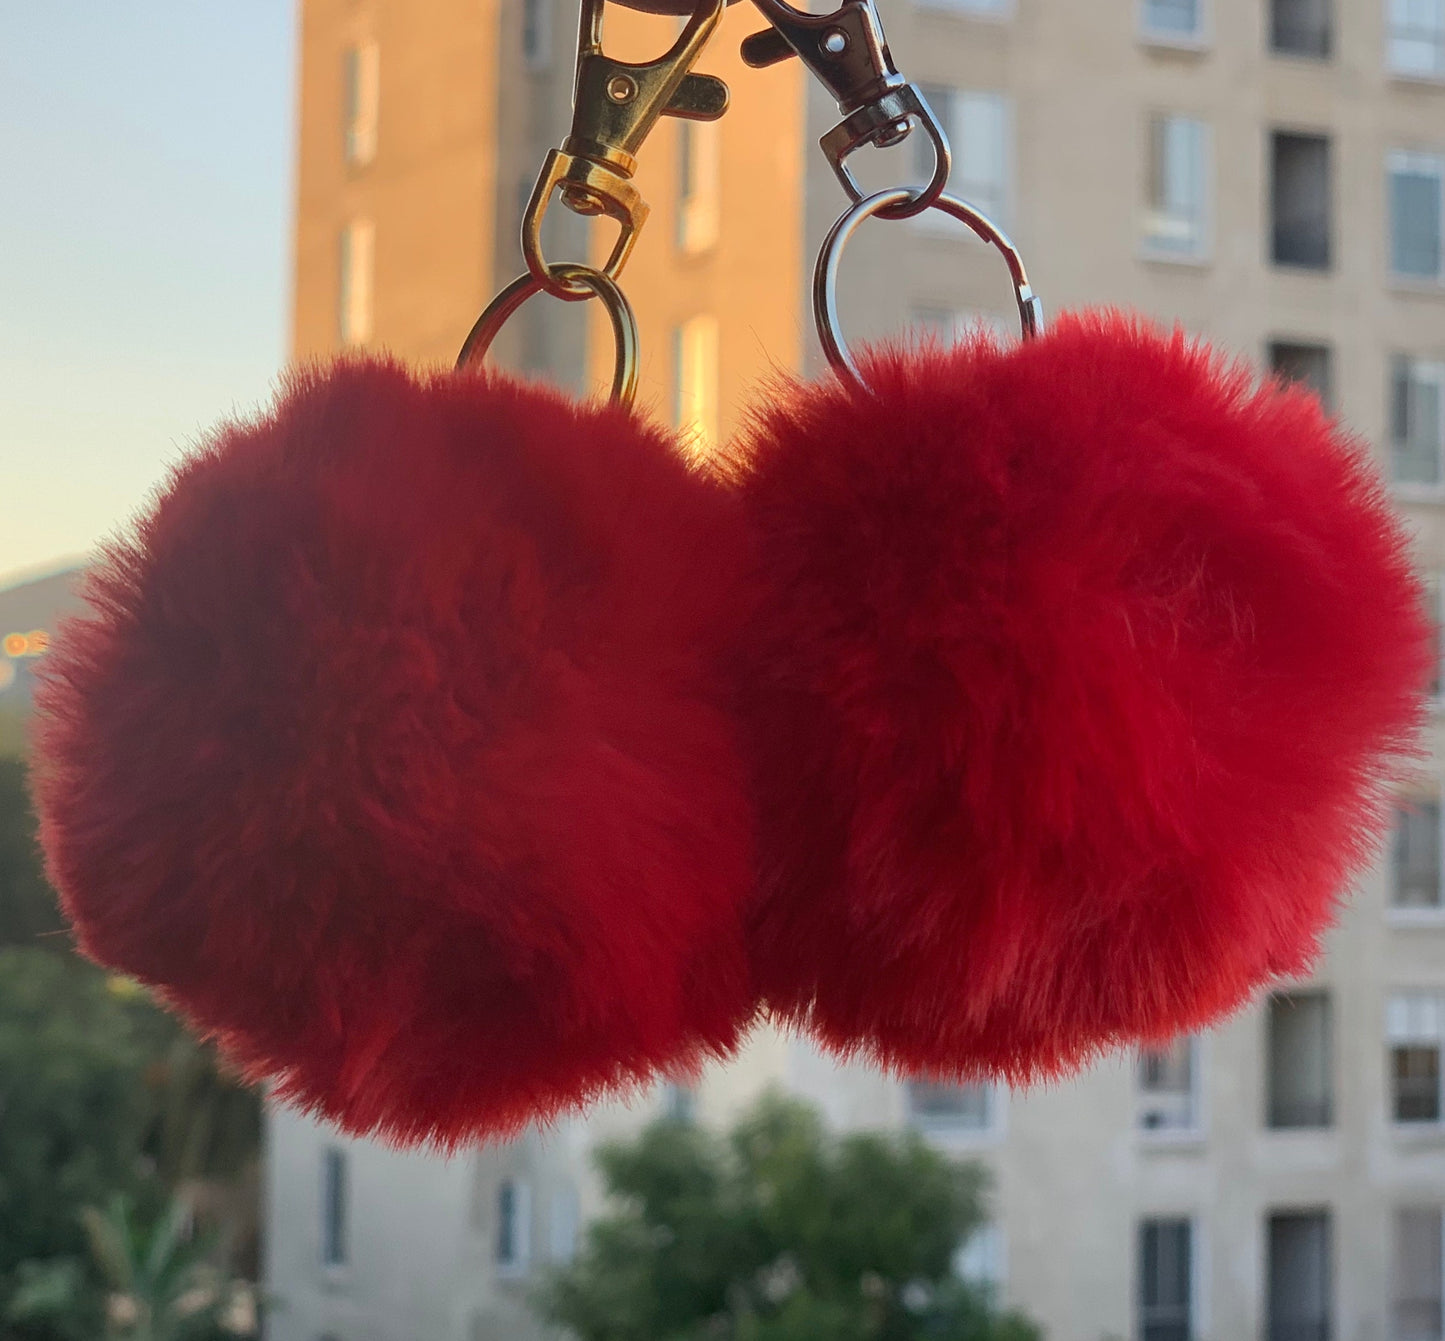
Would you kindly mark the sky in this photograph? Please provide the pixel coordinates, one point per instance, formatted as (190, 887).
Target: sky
(145, 194)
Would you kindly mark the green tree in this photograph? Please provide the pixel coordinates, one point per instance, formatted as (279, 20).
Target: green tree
(779, 1232)
(74, 1109)
(159, 1281)
(28, 911)
(101, 1093)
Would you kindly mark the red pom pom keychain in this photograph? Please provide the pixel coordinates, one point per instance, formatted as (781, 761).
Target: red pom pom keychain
(1078, 675)
(395, 751)
(415, 743)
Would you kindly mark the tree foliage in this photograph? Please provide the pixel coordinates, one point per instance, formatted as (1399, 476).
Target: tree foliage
(28, 911)
(156, 1279)
(73, 1103)
(102, 1094)
(778, 1232)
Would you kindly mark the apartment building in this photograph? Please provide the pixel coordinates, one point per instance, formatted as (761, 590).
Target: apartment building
(1268, 173)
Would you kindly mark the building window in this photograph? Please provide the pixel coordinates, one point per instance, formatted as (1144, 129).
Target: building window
(1300, 1048)
(1415, 855)
(1305, 365)
(978, 126)
(1177, 221)
(1172, 20)
(514, 1226)
(1416, 1285)
(563, 1221)
(361, 88)
(1417, 38)
(1299, 1277)
(1166, 1280)
(1300, 200)
(536, 34)
(1415, 1072)
(1414, 1025)
(1417, 421)
(357, 265)
(1417, 215)
(951, 1108)
(1301, 28)
(333, 1207)
(979, 1259)
(1168, 1087)
(695, 357)
(699, 184)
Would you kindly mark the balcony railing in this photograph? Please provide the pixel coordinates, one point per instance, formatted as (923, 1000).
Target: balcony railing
(1303, 244)
(1285, 1114)
(1171, 1330)
(1299, 1329)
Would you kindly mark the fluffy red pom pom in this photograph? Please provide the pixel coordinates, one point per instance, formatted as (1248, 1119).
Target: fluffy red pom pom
(1081, 670)
(395, 754)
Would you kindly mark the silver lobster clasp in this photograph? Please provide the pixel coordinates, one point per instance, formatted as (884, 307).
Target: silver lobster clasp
(848, 53)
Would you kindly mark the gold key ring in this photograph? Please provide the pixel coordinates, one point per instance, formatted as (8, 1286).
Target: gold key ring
(624, 322)
(825, 274)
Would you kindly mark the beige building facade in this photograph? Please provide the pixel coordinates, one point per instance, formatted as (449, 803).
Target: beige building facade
(1268, 173)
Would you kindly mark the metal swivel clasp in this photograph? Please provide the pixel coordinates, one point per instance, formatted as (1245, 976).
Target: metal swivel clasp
(615, 106)
(848, 52)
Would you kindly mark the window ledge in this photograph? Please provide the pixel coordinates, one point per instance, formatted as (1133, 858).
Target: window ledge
(1182, 1140)
(1175, 259)
(1198, 45)
(1417, 917)
(511, 1271)
(1302, 58)
(1301, 268)
(1418, 1133)
(335, 1276)
(1414, 80)
(1418, 285)
(1419, 493)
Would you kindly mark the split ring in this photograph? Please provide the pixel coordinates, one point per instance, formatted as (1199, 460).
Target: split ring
(624, 322)
(825, 274)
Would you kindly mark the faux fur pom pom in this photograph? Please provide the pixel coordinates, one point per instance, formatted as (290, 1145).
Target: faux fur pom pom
(395, 753)
(1081, 674)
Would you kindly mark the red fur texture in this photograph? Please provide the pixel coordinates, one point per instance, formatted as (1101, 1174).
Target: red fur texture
(1081, 674)
(396, 753)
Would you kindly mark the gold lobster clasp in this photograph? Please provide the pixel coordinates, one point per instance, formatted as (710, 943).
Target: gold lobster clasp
(615, 106)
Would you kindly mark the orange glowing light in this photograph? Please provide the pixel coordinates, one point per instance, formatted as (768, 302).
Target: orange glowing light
(31, 644)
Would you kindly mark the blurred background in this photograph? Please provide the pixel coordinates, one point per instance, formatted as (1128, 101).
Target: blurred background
(195, 195)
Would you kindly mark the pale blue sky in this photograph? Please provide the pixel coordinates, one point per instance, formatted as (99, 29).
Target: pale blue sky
(145, 187)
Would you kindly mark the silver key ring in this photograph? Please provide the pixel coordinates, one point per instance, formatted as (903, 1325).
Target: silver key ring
(825, 274)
